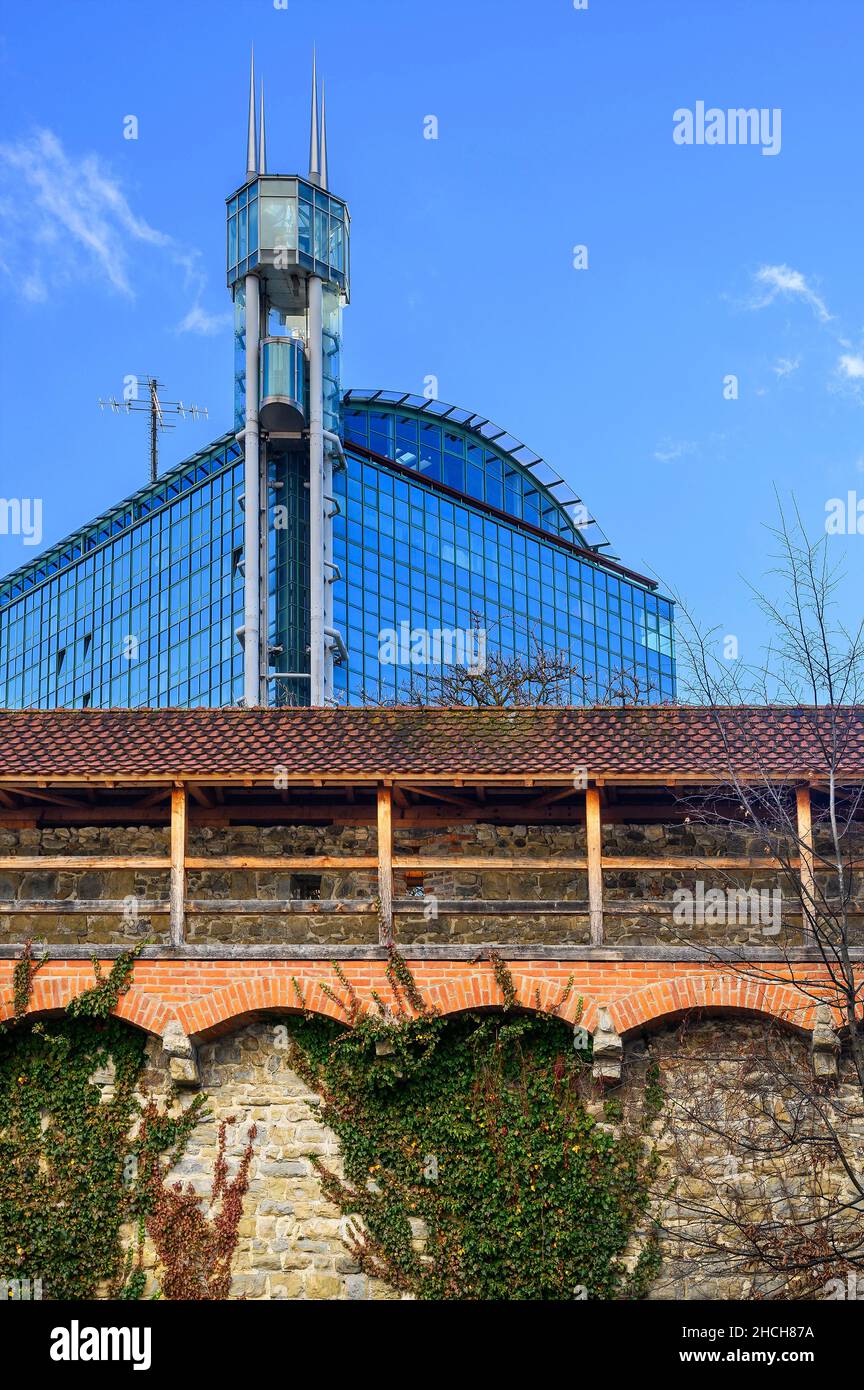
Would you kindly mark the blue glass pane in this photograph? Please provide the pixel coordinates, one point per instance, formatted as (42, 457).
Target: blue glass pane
(337, 248)
(304, 224)
(454, 472)
(321, 247)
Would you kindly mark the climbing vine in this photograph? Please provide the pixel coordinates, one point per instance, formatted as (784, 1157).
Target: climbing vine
(476, 1158)
(83, 1155)
(22, 983)
(67, 1163)
(195, 1249)
(102, 998)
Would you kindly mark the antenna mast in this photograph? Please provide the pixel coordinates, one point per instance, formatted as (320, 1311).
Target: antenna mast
(157, 409)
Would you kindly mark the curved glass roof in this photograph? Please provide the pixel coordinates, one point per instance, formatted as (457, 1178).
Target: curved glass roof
(472, 454)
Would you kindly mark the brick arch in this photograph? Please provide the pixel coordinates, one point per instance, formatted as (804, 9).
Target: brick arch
(480, 990)
(666, 1001)
(233, 1006)
(50, 995)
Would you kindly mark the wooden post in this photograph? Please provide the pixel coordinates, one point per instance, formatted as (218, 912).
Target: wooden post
(594, 837)
(178, 864)
(385, 864)
(805, 849)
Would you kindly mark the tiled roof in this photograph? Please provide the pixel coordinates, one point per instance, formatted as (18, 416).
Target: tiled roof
(653, 742)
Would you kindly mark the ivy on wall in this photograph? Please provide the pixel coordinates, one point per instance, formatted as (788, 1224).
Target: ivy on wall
(65, 1155)
(477, 1157)
(473, 1156)
(77, 1162)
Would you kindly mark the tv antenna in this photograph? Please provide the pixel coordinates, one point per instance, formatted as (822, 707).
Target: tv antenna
(155, 407)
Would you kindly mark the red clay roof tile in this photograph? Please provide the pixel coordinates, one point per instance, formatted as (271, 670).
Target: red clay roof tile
(657, 741)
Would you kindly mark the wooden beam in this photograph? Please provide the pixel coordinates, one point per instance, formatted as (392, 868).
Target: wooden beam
(79, 907)
(442, 796)
(152, 800)
(49, 862)
(647, 861)
(199, 796)
(179, 831)
(548, 798)
(51, 798)
(595, 862)
(385, 863)
(709, 777)
(277, 861)
(805, 842)
(408, 907)
(504, 863)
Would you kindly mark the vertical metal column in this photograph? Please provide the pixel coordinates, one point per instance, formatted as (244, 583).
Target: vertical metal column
(316, 491)
(252, 505)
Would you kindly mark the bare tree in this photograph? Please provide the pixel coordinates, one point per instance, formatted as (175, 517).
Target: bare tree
(539, 677)
(789, 1208)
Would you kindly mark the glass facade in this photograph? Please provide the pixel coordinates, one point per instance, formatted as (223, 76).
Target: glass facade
(446, 452)
(140, 608)
(282, 222)
(415, 558)
(441, 532)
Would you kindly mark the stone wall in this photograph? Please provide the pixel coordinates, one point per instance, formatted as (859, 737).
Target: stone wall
(290, 1245)
(726, 1077)
(288, 928)
(121, 885)
(631, 889)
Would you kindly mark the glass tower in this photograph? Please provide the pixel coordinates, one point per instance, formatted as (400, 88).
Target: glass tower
(333, 548)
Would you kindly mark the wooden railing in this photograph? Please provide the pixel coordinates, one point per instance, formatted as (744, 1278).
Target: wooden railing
(385, 863)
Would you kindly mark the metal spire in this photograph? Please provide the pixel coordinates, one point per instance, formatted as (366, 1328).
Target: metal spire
(323, 141)
(314, 173)
(250, 139)
(262, 142)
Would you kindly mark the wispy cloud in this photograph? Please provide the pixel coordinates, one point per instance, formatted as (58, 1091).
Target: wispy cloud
(851, 366)
(848, 379)
(668, 450)
(774, 280)
(65, 217)
(198, 320)
(785, 366)
(70, 213)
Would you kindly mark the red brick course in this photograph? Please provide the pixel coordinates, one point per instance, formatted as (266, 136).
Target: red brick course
(214, 997)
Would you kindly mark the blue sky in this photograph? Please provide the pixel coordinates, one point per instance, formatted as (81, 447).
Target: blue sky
(555, 130)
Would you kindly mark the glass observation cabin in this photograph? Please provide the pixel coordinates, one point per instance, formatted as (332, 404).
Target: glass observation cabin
(285, 230)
